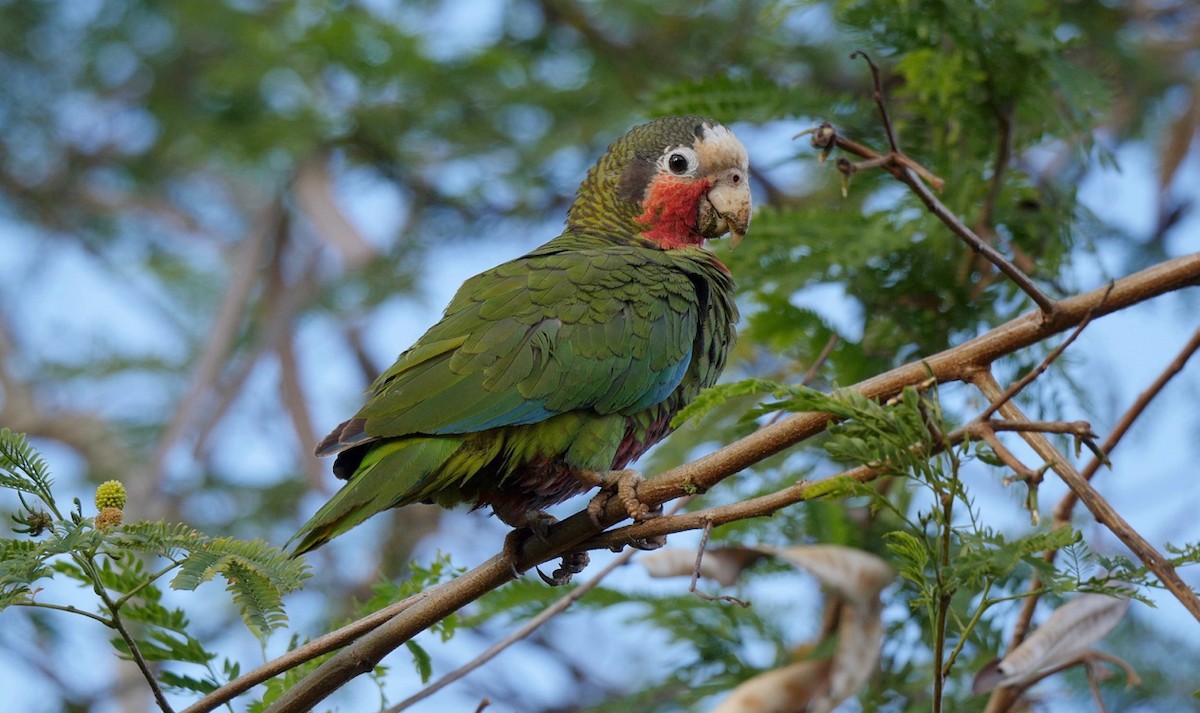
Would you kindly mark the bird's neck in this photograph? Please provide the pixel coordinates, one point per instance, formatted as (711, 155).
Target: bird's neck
(669, 217)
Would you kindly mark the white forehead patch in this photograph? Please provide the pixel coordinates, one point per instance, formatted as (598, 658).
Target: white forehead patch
(718, 148)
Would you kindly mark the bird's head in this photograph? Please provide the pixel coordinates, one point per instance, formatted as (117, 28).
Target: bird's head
(675, 181)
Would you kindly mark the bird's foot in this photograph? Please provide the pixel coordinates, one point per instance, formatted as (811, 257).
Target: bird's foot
(623, 484)
(571, 565)
(534, 522)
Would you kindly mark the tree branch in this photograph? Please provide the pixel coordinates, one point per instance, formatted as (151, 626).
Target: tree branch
(1104, 513)
(905, 170)
(1002, 698)
(522, 632)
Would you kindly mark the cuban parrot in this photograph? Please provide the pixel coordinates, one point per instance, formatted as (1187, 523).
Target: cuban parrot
(550, 371)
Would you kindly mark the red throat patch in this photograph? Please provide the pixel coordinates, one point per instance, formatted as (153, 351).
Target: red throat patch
(671, 210)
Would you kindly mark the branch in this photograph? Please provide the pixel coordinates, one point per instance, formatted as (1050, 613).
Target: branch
(525, 630)
(319, 646)
(1063, 510)
(1002, 698)
(905, 170)
(1026, 380)
(954, 364)
(1104, 513)
(877, 95)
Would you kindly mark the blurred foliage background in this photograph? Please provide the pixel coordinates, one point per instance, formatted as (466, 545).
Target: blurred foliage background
(219, 220)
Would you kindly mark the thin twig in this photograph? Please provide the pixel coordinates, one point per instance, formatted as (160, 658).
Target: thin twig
(945, 596)
(999, 166)
(1100, 508)
(1079, 429)
(908, 172)
(89, 566)
(1131, 675)
(1131, 414)
(811, 373)
(877, 83)
(147, 582)
(708, 527)
(1017, 386)
(1024, 472)
(822, 357)
(517, 635)
(1094, 685)
(64, 608)
(1046, 305)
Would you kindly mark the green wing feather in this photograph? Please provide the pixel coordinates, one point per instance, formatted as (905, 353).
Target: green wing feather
(609, 330)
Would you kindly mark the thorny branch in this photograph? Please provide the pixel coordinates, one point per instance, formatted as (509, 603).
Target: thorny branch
(1100, 508)
(1017, 386)
(1002, 698)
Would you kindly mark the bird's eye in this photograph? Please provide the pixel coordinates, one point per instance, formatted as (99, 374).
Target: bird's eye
(678, 163)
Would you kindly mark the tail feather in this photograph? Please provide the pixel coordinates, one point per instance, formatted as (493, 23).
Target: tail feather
(391, 474)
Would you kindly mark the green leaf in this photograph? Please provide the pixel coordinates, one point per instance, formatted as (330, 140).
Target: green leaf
(912, 553)
(422, 660)
(186, 684)
(162, 645)
(790, 398)
(23, 469)
(726, 99)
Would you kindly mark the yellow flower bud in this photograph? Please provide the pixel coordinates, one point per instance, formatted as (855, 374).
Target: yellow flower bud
(110, 494)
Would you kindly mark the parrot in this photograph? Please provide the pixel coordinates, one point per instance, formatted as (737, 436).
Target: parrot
(552, 371)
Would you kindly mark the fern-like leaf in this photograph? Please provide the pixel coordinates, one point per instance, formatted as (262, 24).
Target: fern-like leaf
(23, 469)
(726, 99)
(257, 575)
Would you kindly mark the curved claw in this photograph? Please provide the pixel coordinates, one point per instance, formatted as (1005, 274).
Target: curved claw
(648, 544)
(571, 564)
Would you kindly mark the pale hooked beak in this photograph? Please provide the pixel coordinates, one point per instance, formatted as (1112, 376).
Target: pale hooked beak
(728, 206)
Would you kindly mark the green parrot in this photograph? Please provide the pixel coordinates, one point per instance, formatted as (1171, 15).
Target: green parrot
(567, 363)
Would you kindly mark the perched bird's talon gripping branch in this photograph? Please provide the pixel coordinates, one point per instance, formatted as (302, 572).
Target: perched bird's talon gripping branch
(566, 362)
